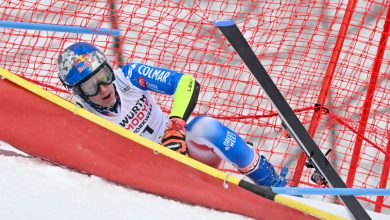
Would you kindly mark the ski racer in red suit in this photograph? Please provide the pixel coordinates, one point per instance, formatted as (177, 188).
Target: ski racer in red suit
(123, 96)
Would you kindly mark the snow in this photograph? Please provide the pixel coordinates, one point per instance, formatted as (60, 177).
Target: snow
(34, 189)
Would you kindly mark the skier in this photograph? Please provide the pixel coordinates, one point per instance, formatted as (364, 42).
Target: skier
(123, 96)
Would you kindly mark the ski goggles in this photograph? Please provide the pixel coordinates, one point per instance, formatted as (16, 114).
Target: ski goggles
(103, 76)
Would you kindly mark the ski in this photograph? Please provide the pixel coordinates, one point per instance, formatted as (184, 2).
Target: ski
(294, 126)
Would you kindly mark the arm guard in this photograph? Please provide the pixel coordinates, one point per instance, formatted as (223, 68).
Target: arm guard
(185, 97)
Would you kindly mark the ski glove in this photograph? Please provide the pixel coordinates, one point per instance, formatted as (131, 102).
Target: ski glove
(174, 136)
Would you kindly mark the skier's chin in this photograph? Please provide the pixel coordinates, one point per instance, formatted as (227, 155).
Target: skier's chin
(108, 100)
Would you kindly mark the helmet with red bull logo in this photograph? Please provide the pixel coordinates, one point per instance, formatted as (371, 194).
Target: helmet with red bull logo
(79, 62)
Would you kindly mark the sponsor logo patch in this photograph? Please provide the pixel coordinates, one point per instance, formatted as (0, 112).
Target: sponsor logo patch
(127, 90)
(79, 59)
(84, 60)
(142, 82)
(154, 73)
(138, 116)
(229, 141)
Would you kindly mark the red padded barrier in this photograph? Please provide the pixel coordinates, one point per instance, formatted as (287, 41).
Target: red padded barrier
(41, 128)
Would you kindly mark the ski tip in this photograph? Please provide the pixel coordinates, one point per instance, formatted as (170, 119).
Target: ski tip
(223, 23)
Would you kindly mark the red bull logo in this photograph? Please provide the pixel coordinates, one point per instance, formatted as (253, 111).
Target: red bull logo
(85, 60)
(79, 59)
